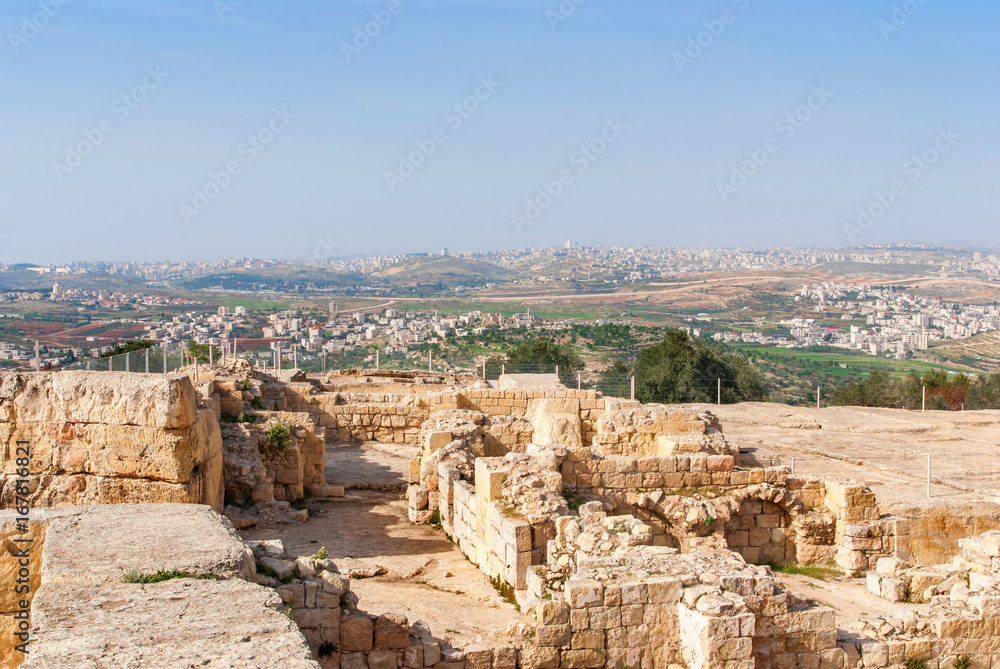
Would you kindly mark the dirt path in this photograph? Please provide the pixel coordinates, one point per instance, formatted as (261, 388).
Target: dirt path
(370, 466)
(425, 576)
(849, 598)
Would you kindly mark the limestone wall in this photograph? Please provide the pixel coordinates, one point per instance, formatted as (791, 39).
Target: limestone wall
(107, 437)
(489, 527)
(85, 613)
(653, 608)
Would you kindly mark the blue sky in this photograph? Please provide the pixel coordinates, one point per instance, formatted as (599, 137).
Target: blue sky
(325, 177)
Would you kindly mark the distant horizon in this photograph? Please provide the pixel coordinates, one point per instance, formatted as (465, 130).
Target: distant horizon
(956, 247)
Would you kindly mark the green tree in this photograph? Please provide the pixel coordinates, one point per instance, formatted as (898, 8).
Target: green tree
(681, 369)
(541, 353)
(128, 347)
(615, 380)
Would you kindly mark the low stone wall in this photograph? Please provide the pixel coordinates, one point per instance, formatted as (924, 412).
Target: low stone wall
(109, 437)
(87, 611)
(488, 525)
(702, 610)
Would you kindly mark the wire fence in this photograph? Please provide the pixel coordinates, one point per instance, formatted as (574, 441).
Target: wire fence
(154, 360)
(169, 358)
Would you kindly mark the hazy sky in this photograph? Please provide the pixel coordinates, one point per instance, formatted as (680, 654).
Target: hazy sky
(625, 122)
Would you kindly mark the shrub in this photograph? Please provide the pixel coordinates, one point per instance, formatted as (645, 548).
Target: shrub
(279, 435)
(321, 554)
(135, 576)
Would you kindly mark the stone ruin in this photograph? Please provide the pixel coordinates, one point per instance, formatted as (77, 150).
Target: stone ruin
(631, 536)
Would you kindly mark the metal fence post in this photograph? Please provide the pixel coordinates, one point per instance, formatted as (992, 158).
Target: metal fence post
(633, 388)
(165, 349)
(147, 361)
(579, 381)
(720, 392)
(928, 475)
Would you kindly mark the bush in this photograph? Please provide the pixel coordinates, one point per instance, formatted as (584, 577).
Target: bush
(135, 576)
(543, 352)
(680, 369)
(279, 435)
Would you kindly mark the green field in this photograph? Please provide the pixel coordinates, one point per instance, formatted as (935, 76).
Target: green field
(847, 364)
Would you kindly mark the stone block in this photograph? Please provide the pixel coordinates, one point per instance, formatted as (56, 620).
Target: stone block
(588, 639)
(504, 658)
(283, 569)
(584, 593)
(478, 657)
(353, 661)
(582, 659)
(554, 612)
(663, 590)
(382, 659)
(534, 657)
(555, 636)
(391, 631)
(437, 440)
(890, 566)
(356, 632)
(431, 649)
(413, 657)
(333, 583)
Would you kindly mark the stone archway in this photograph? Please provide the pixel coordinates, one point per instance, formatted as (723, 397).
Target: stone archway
(765, 525)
